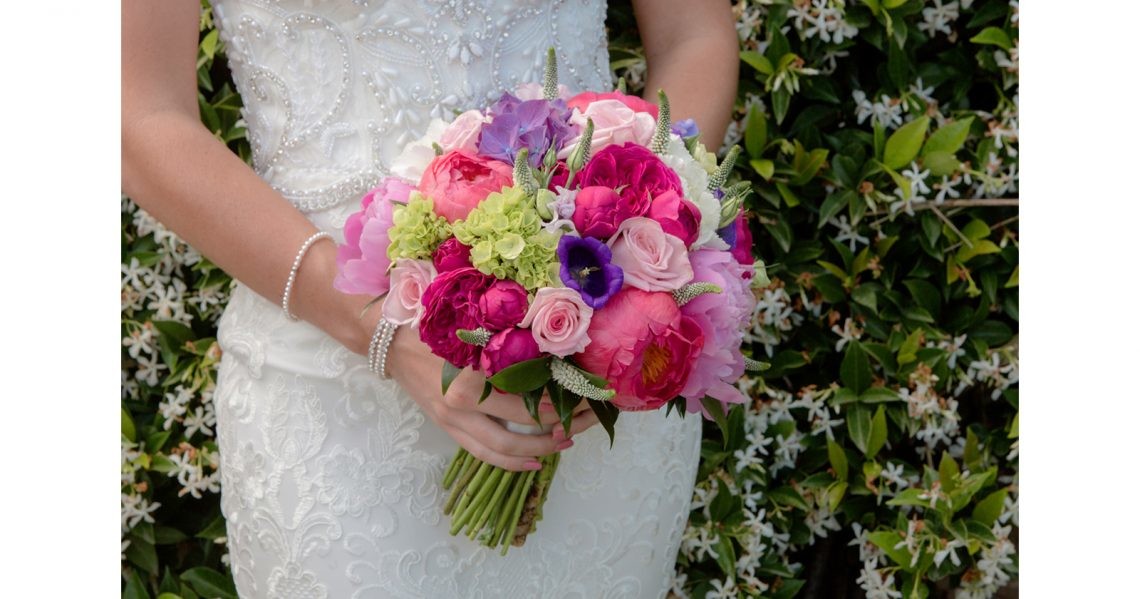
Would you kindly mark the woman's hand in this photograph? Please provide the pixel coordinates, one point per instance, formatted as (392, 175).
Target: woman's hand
(476, 426)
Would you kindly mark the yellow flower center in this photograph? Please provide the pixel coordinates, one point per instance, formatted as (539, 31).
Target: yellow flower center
(654, 364)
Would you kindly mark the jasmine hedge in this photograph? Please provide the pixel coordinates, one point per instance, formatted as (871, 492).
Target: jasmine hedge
(879, 455)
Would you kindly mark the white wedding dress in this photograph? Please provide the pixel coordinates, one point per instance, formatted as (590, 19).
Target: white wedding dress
(330, 476)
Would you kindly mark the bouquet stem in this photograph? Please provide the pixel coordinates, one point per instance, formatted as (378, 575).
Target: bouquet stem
(495, 507)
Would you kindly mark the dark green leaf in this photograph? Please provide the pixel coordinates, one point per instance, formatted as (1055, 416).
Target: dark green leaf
(726, 555)
(789, 589)
(993, 333)
(141, 553)
(607, 414)
(832, 205)
(898, 67)
(210, 583)
(447, 375)
(855, 371)
(135, 588)
(789, 497)
(931, 227)
(948, 473)
(523, 377)
(126, 425)
(756, 133)
(879, 395)
(215, 530)
(487, 389)
(716, 409)
(878, 434)
(168, 535)
(175, 331)
(865, 295)
(838, 459)
(780, 101)
(781, 232)
(859, 426)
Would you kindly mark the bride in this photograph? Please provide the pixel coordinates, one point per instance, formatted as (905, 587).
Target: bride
(330, 473)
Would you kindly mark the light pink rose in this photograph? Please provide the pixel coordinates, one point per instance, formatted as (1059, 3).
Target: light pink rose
(409, 279)
(651, 259)
(463, 132)
(614, 124)
(559, 320)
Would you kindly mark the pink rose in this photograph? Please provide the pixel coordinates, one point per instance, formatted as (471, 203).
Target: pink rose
(722, 317)
(457, 181)
(558, 319)
(450, 255)
(651, 259)
(637, 173)
(503, 305)
(598, 211)
(614, 124)
(463, 132)
(583, 100)
(403, 303)
(644, 346)
(678, 217)
(362, 262)
(507, 348)
(451, 302)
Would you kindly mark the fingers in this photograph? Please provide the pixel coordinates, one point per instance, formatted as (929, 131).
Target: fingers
(490, 456)
(582, 421)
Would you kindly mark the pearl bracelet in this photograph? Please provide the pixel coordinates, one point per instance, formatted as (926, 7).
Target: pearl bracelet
(378, 348)
(297, 266)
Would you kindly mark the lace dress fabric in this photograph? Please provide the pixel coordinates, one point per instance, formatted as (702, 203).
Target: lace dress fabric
(330, 476)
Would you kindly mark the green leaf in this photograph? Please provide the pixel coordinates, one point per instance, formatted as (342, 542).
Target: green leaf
(523, 377)
(487, 389)
(909, 348)
(941, 163)
(763, 167)
(788, 496)
(781, 232)
(878, 435)
(1012, 282)
(142, 554)
(989, 509)
(948, 138)
(879, 138)
(126, 425)
(879, 395)
(835, 495)
(838, 460)
(447, 376)
(175, 331)
(209, 583)
(893, 3)
(855, 371)
(981, 247)
(716, 410)
(873, 5)
(168, 535)
(789, 198)
(948, 473)
(790, 588)
(214, 530)
(780, 101)
(726, 555)
(1013, 426)
(864, 295)
(135, 588)
(810, 166)
(994, 36)
(887, 540)
(844, 396)
(859, 426)
(169, 596)
(607, 414)
(757, 61)
(756, 133)
(903, 145)
(832, 206)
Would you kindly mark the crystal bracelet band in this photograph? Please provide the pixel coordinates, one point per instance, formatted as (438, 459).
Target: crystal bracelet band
(297, 266)
(378, 348)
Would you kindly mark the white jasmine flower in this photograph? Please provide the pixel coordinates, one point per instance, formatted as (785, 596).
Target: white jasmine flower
(875, 584)
(938, 18)
(847, 233)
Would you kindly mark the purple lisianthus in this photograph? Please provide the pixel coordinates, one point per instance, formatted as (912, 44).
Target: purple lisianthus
(685, 128)
(587, 269)
(532, 124)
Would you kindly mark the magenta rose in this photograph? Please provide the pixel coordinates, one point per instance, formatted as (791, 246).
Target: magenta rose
(451, 255)
(599, 211)
(451, 302)
(507, 348)
(362, 262)
(644, 346)
(503, 305)
(722, 317)
(559, 321)
(584, 99)
(635, 172)
(678, 217)
(457, 181)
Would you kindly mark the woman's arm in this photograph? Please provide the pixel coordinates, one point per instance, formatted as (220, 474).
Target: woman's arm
(177, 171)
(691, 52)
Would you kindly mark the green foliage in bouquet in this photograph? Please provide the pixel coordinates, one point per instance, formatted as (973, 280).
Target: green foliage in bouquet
(879, 455)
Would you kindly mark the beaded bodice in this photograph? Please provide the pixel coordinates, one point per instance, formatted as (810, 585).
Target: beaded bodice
(333, 89)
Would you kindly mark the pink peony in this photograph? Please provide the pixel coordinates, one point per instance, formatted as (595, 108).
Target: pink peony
(457, 181)
(614, 124)
(598, 211)
(559, 321)
(722, 318)
(651, 259)
(463, 132)
(409, 280)
(451, 302)
(678, 217)
(635, 172)
(583, 100)
(503, 305)
(362, 262)
(507, 348)
(450, 255)
(644, 346)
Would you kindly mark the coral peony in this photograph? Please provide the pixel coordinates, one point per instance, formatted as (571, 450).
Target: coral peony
(644, 346)
(457, 181)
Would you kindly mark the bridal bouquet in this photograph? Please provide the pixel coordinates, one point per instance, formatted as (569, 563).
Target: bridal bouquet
(572, 248)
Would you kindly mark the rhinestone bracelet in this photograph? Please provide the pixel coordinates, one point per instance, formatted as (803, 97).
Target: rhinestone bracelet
(378, 348)
(297, 266)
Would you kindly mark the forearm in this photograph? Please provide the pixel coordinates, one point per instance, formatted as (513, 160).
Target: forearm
(194, 185)
(697, 64)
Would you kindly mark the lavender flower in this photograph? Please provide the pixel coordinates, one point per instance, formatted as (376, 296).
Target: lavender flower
(532, 124)
(586, 268)
(685, 128)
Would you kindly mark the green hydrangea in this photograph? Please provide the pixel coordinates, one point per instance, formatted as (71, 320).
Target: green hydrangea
(416, 229)
(507, 239)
